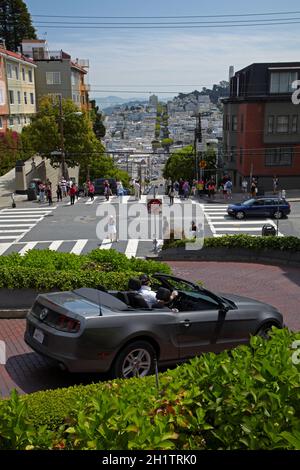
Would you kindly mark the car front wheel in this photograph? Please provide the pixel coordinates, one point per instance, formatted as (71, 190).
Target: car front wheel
(240, 215)
(265, 330)
(135, 360)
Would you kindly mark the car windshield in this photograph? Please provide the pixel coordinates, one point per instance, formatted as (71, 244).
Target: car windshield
(249, 202)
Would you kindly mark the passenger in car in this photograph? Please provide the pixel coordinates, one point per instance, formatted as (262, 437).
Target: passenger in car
(148, 294)
(164, 297)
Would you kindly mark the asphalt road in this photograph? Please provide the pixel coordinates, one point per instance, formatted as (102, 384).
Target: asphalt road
(66, 228)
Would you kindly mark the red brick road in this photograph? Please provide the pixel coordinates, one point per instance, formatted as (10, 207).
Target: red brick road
(28, 372)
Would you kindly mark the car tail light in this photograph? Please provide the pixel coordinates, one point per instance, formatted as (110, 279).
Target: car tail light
(68, 324)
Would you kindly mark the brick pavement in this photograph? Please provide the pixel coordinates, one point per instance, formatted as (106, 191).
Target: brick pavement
(28, 372)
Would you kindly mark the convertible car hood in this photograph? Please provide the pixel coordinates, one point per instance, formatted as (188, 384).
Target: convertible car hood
(245, 302)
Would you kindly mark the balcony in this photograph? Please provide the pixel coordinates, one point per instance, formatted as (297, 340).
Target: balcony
(42, 54)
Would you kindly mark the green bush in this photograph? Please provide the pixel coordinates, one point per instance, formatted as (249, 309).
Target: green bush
(291, 244)
(46, 270)
(247, 398)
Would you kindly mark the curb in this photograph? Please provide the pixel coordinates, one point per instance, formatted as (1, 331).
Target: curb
(13, 314)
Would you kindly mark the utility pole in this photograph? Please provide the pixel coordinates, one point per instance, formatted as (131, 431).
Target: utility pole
(62, 140)
(198, 139)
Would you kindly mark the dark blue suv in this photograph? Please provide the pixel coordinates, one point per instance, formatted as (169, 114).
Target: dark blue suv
(260, 207)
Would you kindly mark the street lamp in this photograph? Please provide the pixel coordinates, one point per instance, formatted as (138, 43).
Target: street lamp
(62, 142)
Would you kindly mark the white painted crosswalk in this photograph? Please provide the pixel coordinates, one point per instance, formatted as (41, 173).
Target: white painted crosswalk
(220, 223)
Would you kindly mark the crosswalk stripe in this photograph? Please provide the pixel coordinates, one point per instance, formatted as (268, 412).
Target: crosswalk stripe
(243, 223)
(238, 229)
(91, 201)
(9, 237)
(4, 247)
(24, 209)
(78, 247)
(55, 245)
(106, 244)
(16, 225)
(12, 231)
(27, 247)
(131, 248)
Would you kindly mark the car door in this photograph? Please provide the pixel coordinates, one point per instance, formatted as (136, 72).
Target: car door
(256, 209)
(198, 325)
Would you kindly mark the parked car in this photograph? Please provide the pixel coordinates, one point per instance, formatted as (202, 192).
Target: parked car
(89, 330)
(260, 206)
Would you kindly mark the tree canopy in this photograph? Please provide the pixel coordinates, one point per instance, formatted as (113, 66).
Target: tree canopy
(180, 165)
(15, 23)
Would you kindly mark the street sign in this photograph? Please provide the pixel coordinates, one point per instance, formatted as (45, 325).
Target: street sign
(202, 163)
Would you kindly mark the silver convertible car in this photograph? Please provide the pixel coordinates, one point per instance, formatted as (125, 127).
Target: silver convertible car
(90, 330)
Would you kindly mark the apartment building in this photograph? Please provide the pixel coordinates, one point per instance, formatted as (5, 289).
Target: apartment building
(262, 125)
(57, 74)
(17, 90)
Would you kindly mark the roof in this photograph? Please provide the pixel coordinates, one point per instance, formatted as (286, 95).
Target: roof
(34, 41)
(16, 55)
(78, 67)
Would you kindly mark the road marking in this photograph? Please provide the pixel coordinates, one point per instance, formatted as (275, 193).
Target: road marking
(12, 231)
(238, 229)
(55, 245)
(238, 222)
(131, 248)
(27, 247)
(91, 201)
(33, 209)
(9, 237)
(16, 225)
(106, 244)
(4, 247)
(78, 247)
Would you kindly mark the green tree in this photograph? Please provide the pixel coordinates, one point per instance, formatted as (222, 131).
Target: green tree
(210, 158)
(97, 118)
(43, 135)
(15, 23)
(180, 164)
(10, 151)
(166, 143)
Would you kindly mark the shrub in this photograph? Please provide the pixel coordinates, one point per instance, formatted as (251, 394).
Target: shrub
(247, 398)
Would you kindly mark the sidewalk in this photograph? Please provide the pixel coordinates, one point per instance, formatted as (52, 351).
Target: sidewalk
(293, 195)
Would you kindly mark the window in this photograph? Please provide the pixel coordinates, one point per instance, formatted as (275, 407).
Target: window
(19, 97)
(1, 123)
(25, 120)
(53, 78)
(281, 82)
(270, 124)
(25, 97)
(294, 126)
(234, 123)
(30, 76)
(18, 120)
(1, 97)
(233, 154)
(17, 72)
(31, 98)
(282, 125)
(11, 121)
(9, 71)
(279, 156)
(11, 97)
(23, 74)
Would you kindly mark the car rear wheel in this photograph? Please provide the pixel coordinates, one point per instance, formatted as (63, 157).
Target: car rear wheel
(135, 360)
(240, 215)
(278, 215)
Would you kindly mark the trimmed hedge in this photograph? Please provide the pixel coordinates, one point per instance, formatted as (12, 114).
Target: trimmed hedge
(247, 398)
(291, 244)
(46, 270)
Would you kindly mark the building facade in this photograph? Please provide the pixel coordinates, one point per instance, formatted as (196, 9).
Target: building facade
(261, 125)
(17, 91)
(57, 75)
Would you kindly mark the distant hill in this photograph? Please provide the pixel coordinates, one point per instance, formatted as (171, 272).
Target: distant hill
(110, 101)
(217, 91)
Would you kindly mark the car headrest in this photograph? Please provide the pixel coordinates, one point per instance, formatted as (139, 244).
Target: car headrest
(134, 284)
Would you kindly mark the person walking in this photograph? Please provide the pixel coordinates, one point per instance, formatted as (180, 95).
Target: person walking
(49, 194)
(228, 189)
(42, 192)
(137, 190)
(63, 185)
(253, 188)
(112, 229)
(186, 189)
(244, 187)
(107, 190)
(120, 189)
(171, 194)
(59, 193)
(91, 189)
(72, 193)
(275, 184)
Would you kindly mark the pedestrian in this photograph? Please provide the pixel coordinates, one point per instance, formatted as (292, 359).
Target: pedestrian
(180, 189)
(91, 189)
(200, 187)
(186, 189)
(112, 229)
(85, 189)
(59, 193)
(120, 189)
(176, 188)
(193, 231)
(228, 189)
(42, 192)
(211, 189)
(49, 194)
(137, 190)
(244, 187)
(72, 193)
(171, 194)
(107, 190)
(275, 184)
(63, 185)
(253, 188)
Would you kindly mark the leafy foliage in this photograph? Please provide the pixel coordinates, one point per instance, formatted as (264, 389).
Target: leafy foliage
(15, 23)
(10, 151)
(181, 164)
(290, 244)
(248, 398)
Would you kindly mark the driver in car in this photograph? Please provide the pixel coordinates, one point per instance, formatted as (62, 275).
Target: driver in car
(164, 298)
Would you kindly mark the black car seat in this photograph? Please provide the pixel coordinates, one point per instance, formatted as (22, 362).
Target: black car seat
(137, 300)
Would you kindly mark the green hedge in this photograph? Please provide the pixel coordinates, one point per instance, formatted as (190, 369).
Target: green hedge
(45, 270)
(248, 398)
(243, 241)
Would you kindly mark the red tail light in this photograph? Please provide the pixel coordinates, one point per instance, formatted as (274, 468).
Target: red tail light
(68, 324)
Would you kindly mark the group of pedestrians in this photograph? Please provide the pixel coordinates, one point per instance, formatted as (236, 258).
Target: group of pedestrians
(45, 192)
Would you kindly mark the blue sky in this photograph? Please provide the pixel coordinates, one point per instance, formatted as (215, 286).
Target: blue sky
(174, 60)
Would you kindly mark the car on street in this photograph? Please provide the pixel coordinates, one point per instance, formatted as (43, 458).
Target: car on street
(92, 330)
(260, 207)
